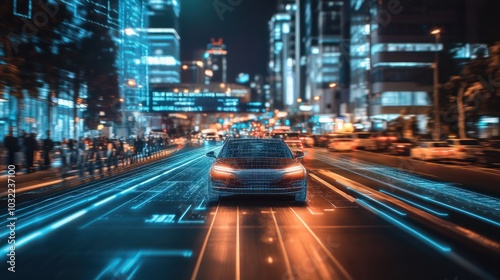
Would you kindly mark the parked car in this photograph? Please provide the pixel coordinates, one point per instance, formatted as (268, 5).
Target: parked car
(364, 141)
(432, 151)
(307, 140)
(465, 149)
(257, 166)
(401, 146)
(342, 143)
(490, 154)
(383, 140)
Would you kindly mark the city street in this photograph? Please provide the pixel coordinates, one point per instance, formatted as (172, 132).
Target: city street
(363, 220)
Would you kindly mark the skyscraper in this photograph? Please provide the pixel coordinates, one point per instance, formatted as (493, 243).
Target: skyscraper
(393, 54)
(215, 61)
(164, 41)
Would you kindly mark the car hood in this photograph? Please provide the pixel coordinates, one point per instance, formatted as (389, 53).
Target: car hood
(257, 163)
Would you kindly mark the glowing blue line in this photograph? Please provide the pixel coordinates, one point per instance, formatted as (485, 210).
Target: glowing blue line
(130, 263)
(160, 253)
(425, 197)
(415, 232)
(185, 212)
(199, 206)
(465, 212)
(150, 198)
(68, 219)
(416, 204)
(378, 202)
(111, 266)
(28, 238)
(132, 274)
(104, 200)
(33, 221)
(192, 222)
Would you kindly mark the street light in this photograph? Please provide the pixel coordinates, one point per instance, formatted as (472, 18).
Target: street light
(299, 100)
(316, 98)
(437, 120)
(332, 85)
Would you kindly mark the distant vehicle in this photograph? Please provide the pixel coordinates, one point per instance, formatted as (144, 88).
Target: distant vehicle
(364, 141)
(294, 145)
(307, 140)
(432, 151)
(257, 166)
(465, 149)
(211, 138)
(286, 135)
(341, 143)
(383, 140)
(490, 154)
(401, 146)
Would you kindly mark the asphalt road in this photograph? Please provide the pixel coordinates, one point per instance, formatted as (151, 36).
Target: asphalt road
(153, 223)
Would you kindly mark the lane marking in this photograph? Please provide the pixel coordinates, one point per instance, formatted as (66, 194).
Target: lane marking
(313, 213)
(204, 246)
(344, 272)
(237, 277)
(346, 196)
(282, 246)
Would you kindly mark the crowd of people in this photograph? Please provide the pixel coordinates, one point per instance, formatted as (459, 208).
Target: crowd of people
(85, 154)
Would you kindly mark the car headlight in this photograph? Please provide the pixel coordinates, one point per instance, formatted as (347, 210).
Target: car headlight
(226, 170)
(293, 170)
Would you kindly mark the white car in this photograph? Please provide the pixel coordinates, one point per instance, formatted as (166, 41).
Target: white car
(364, 141)
(465, 149)
(341, 145)
(432, 151)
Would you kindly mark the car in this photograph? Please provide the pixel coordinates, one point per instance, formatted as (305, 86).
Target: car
(465, 149)
(256, 166)
(383, 140)
(490, 154)
(401, 146)
(307, 140)
(364, 141)
(294, 145)
(211, 139)
(341, 142)
(432, 151)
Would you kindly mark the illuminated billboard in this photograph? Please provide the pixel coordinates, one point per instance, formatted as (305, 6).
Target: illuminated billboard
(200, 102)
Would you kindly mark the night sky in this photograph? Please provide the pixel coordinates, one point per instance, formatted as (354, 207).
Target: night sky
(245, 32)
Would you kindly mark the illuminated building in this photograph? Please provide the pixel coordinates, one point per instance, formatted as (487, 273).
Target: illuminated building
(164, 41)
(215, 61)
(392, 54)
(193, 72)
(133, 50)
(281, 61)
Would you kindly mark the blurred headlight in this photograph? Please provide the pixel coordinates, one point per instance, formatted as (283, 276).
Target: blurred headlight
(293, 170)
(223, 169)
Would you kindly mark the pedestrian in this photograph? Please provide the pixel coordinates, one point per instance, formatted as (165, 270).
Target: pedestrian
(47, 147)
(30, 147)
(12, 146)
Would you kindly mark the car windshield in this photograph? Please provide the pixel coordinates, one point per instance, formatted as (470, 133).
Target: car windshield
(403, 140)
(253, 148)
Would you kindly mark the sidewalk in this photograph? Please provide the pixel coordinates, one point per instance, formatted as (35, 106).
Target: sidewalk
(41, 178)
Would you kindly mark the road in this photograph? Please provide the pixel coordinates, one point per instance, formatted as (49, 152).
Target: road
(152, 222)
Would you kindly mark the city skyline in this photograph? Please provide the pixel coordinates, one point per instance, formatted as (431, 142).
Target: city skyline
(244, 30)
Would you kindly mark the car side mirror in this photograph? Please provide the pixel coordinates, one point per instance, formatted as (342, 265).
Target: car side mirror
(299, 154)
(210, 154)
